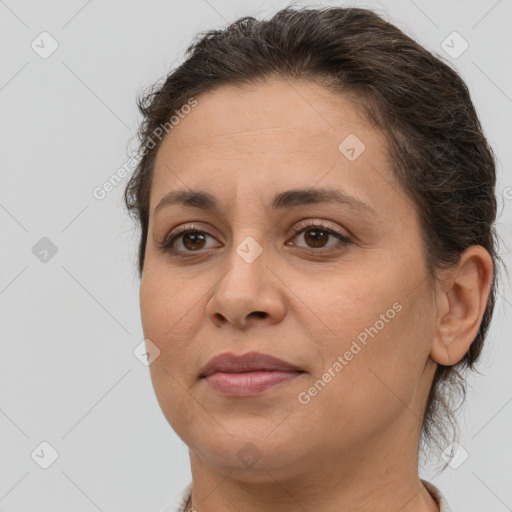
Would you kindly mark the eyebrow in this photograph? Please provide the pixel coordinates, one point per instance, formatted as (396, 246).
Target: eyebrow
(288, 199)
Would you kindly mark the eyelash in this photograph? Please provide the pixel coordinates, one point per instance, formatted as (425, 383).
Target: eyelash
(167, 245)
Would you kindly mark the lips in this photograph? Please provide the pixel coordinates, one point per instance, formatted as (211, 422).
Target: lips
(248, 374)
(251, 362)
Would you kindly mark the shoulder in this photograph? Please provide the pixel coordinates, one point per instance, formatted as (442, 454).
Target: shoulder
(436, 493)
(180, 500)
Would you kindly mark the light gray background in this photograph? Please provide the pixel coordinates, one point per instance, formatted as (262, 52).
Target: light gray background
(68, 375)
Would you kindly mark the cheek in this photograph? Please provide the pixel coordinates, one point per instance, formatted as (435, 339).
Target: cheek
(155, 315)
(358, 306)
(168, 306)
(382, 335)
(175, 400)
(171, 312)
(378, 304)
(165, 322)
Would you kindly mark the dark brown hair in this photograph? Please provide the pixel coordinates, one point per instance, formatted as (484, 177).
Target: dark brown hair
(439, 154)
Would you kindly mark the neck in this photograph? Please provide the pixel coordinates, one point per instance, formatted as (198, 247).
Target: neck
(369, 478)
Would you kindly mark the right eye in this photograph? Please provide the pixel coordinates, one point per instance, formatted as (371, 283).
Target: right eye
(186, 240)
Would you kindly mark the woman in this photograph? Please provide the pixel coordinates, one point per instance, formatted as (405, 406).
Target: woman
(317, 260)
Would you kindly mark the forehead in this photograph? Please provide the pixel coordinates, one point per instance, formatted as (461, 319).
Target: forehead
(271, 136)
(232, 117)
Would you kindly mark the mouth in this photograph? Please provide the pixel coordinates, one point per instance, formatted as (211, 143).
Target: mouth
(248, 374)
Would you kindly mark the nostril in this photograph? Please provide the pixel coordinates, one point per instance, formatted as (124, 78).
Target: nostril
(259, 314)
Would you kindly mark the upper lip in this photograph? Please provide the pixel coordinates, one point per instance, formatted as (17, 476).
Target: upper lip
(252, 361)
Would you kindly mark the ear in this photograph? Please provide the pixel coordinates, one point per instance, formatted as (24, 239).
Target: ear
(461, 298)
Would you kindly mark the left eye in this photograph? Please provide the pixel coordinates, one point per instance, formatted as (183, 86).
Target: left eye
(316, 236)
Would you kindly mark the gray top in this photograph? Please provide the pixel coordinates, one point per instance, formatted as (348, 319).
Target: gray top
(178, 505)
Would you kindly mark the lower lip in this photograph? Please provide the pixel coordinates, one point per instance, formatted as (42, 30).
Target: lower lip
(247, 383)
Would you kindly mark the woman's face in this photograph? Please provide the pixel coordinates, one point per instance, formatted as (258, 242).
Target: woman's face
(333, 285)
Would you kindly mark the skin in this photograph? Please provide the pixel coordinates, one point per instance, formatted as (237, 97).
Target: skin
(354, 446)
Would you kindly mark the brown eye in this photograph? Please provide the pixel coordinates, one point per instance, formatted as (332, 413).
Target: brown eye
(316, 237)
(194, 240)
(187, 241)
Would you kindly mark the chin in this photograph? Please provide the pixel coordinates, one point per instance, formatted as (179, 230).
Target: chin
(251, 453)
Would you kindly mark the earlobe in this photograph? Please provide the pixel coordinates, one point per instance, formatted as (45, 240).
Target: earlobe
(461, 300)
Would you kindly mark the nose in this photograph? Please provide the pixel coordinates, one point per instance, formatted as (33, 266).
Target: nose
(247, 294)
